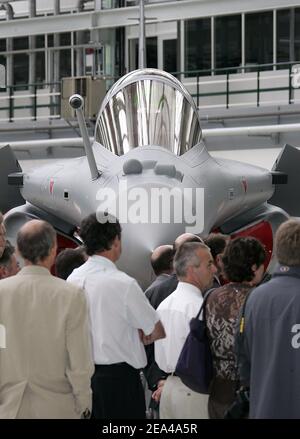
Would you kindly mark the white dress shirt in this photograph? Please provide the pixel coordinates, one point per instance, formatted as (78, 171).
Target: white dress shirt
(175, 313)
(118, 308)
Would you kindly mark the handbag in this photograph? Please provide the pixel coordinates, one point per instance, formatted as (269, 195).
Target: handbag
(195, 366)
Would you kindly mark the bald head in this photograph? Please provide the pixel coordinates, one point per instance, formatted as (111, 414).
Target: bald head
(162, 259)
(36, 240)
(186, 237)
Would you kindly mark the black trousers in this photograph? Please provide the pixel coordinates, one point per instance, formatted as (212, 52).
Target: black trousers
(222, 395)
(117, 392)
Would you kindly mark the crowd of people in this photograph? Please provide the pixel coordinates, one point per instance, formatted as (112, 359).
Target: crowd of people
(78, 343)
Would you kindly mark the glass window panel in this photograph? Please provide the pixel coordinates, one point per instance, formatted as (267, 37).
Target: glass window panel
(228, 46)
(2, 45)
(288, 35)
(170, 55)
(40, 59)
(259, 38)
(2, 57)
(21, 70)
(133, 55)
(197, 41)
(2, 61)
(40, 41)
(65, 39)
(65, 55)
(110, 4)
(283, 35)
(82, 37)
(65, 63)
(21, 63)
(297, 35)
(151, 53)
(20, 43)
(119, 53)
(40, 67)
(50, 40)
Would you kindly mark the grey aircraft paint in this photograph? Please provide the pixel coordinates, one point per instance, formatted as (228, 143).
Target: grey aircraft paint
(148, 136)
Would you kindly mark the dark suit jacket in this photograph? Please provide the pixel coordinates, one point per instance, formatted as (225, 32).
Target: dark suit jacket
(161, 291)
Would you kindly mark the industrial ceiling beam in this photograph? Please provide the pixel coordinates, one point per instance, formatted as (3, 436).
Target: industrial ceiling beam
(110, 18)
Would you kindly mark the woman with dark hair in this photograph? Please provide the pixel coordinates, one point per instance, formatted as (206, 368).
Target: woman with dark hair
(244, 267)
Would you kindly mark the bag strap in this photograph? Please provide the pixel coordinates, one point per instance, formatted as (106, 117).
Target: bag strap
(242, 318)
(202, 308)
(239, 336)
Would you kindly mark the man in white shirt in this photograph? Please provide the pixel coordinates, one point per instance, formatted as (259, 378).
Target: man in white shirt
(121, 321)
(195, 270)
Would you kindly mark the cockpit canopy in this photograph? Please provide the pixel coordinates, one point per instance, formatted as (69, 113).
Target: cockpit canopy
(148, 107)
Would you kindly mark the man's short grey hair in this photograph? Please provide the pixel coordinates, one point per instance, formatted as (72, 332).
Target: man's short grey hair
(287, 243)
(6, 258)
(186, 256)
(36, 245)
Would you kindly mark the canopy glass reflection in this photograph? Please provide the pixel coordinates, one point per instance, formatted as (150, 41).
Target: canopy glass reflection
(148, 110)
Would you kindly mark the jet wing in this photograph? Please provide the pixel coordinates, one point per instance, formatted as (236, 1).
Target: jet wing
(9, 194)
(286, 177)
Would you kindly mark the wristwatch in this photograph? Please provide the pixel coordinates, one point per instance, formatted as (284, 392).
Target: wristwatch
(86, 414)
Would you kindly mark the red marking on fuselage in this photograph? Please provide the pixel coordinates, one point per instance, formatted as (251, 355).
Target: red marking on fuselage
(51, 185)
(245, 184)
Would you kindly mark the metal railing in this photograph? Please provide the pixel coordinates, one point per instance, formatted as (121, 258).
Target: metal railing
(216, 88)
(12, 99)
(251, 76)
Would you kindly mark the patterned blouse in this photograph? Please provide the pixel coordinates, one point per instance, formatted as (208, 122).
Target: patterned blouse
(222, 309)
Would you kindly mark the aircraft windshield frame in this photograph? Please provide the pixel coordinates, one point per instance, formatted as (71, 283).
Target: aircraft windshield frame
(146, 110)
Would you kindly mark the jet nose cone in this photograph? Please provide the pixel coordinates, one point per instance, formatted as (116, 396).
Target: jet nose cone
(138, 242)
(152, 211)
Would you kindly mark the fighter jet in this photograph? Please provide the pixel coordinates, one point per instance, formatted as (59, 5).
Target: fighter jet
(148, 165)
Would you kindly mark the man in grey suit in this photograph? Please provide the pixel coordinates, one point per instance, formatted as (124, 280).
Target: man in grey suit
(162, 265)
(46, 367)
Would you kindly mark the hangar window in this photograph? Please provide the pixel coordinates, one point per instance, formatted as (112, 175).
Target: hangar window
(197, 41)
(259, 44)
(21, 64)
(151, 53)
(288, 35)
(228, 45)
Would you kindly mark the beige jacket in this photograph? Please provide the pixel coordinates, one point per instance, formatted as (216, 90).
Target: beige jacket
(46, 367)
